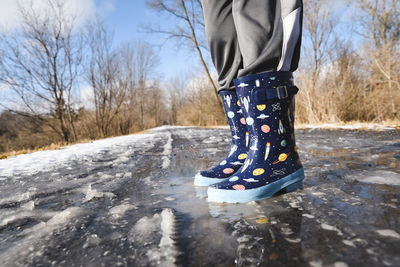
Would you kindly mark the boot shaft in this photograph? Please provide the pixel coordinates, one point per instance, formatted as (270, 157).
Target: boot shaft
(267, 102)
(235, 117)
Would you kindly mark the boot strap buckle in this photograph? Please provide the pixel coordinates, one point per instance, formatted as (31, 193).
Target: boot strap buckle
(282, 92)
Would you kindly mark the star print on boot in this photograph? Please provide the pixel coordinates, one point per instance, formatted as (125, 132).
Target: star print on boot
(238, 151)
(272, 163)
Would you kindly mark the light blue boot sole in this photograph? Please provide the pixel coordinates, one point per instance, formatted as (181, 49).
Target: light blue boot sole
(289, 183)
(200, 180)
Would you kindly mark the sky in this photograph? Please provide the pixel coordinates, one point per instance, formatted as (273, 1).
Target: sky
(126, 19)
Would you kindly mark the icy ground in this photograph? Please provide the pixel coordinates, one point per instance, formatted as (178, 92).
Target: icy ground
(129, 201)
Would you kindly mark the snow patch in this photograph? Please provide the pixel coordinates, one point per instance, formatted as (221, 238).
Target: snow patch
(388, 233)
(315, 263)
(331, 228)
(93, 193)
(167, 151)
(353, 126)
(32, 163)
(35, 234)
(92, 240)
(340, 264)
(13, 216)
(293, 240)
(119, 211)
(146, 231)
(349, 243)
(376, 177)
(30, 205)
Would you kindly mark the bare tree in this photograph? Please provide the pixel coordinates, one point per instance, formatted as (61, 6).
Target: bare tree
(105, 78)
(319, 23)
(318, 33)
(189, 12)
(379, 23)
(41, 63)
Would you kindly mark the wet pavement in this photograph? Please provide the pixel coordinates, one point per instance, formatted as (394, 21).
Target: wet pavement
(134, 204)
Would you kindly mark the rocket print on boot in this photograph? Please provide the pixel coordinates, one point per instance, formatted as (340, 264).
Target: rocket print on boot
(228, 99)
(267, 149)
(272, 162)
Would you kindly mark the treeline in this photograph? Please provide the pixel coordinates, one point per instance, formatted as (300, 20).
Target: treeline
(350, 69)
(45, 64)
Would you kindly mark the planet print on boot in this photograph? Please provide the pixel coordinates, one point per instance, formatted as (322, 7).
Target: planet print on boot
(272, 163)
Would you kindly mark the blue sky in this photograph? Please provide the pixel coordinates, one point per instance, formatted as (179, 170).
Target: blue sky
(127, 19)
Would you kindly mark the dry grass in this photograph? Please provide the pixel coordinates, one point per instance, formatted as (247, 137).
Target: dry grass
(26, 151)
(352, 125)
(54, 146)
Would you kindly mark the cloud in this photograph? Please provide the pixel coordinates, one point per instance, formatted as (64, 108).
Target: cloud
(86, 97)
(83, 10)
(9, 14)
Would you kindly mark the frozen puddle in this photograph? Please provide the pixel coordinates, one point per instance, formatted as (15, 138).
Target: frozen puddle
(377, 177)
(130, 201)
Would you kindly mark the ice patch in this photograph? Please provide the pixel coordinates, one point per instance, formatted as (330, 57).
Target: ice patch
(308, 215)
(349, 243)
(146, 231)
(13, 216)
(353, 126)
(293, 240)
(340, 264)
(210, 140)
(122, 159)
(167, 151)
(376, 177)
(315, 263)
(388, 233)
(30, 205)
(330, 228)
(119, 211)
(36, 234)
(318, 193)
(92, 240)
(167, 245)
(93, 193)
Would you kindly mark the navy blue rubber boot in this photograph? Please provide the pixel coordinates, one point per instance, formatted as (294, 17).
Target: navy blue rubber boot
(238, 152)
(272, 163)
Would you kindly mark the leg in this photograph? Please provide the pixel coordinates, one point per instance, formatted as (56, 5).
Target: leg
(269, 34)
(222, 40)
(226, 56)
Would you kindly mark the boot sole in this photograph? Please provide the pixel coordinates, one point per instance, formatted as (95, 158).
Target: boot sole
(200, 180)
(288, 183)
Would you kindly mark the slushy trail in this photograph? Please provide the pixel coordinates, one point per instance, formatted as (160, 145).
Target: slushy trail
(131, 201)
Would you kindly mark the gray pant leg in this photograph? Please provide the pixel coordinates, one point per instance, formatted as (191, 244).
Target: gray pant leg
(269, 34)
(222, 40)
(253, 36)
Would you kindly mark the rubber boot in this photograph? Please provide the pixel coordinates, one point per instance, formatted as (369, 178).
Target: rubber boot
(272, 163)
(238, 151)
